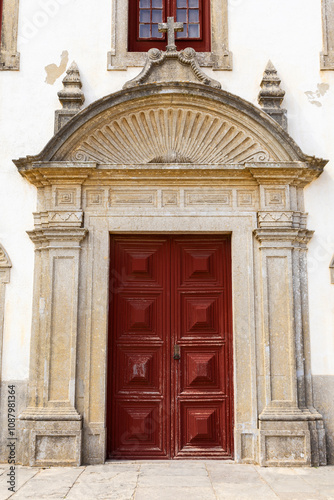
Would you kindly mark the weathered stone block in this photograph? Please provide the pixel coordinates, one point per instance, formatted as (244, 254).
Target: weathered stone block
(285, 444)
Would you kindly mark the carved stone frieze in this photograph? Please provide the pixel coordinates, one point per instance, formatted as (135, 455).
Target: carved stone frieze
(58, 218)
(274, 219)
(285, 219)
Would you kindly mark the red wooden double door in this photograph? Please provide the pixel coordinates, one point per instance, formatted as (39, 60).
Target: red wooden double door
(170, 355)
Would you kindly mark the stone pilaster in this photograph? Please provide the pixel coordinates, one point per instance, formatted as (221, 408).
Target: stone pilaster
(5, 265)
(290, 428)
(51, 427)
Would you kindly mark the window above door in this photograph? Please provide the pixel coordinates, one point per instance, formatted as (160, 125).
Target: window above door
(145, 16)
(135, 31)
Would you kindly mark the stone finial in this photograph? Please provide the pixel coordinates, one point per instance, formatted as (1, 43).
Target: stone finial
(71, 97)
(271, 95)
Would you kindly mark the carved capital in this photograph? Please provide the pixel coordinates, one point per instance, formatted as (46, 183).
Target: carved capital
(274, 237)
(59, 237)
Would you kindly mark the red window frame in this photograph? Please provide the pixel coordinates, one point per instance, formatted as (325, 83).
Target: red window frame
(136, 44)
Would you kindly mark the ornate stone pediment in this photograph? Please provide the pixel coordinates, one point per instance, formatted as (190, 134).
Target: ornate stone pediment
(176, 123)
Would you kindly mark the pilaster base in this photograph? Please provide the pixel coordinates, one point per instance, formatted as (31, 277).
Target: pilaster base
(285, 444)
(48, 442)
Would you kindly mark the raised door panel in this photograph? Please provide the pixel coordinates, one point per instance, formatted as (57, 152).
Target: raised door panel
(202, 331)
(140, 373)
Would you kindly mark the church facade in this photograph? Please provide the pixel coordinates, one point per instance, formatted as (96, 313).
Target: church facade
(166, 259)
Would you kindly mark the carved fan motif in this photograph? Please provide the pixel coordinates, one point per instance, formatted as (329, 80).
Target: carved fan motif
(169, 135)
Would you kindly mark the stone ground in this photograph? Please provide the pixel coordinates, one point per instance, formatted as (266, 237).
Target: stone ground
(175, 480)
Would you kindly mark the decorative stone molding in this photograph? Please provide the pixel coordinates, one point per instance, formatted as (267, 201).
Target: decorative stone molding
(71, 97)
(217, 105)
(183, 65)
(271, 96)
(127, 187)
(5, 265)
(290, 427)
(327, 55)
(9, 57)
(219, 58)
(51, 423)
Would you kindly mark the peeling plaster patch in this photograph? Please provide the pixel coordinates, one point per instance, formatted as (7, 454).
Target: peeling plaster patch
(318, 94)
(53, 72)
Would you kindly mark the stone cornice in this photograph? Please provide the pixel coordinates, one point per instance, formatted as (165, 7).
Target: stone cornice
(43, 174)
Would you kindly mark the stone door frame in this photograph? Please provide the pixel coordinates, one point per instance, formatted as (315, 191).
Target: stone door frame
(256, 198)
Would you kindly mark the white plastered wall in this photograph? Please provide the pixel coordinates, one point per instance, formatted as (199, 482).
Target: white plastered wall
(288, 33)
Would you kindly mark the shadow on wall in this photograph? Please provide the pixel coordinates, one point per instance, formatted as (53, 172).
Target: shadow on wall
(323, 388)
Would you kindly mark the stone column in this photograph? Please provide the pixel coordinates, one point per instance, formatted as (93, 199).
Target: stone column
(51, 427)
(288, 420)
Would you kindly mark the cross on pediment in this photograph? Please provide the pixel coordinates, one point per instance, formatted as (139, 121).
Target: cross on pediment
(170, 28)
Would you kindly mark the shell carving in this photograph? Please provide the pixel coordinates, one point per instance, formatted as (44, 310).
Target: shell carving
(169, 135)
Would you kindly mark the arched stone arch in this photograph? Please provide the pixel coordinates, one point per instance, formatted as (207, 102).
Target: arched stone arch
(171, 157)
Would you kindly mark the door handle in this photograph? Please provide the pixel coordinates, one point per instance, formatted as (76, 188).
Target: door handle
(177, 352)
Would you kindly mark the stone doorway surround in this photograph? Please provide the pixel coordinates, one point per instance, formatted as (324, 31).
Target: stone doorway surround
(173, 157)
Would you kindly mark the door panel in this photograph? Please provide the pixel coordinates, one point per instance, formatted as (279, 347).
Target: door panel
(165, 292)
(140, 347)
(201, 327)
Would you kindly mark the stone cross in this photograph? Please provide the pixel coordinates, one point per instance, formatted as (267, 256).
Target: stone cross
(170, 27)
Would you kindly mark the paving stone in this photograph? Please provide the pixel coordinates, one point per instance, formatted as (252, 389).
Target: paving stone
(105, 483)
(233, 474)
(291, 495)
(172, 493)
(287, 481)
(179, 481)
(152, 470)
(23, 475)
(249, 491)
(202, 480)
(52, 483)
